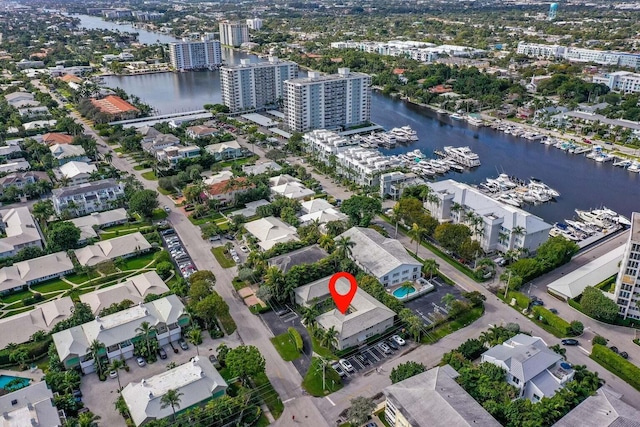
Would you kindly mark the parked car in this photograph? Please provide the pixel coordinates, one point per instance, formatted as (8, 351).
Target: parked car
(391, 344)
(214, 361)
(339, 369)
(113, 374)
(624, 354)
(385, 348)
(77, 394)
(178, 254)
(233, 252)
(398, 339)
(140, 361)
(244, 249)
(553, 310)
(537, 302)
(570, 341)
(614, 349)
(168, 232)
(183, 344)
(229, 236)
(167, 209)
(162, 353)
(346, 365)
(363, 359)
(236, 259)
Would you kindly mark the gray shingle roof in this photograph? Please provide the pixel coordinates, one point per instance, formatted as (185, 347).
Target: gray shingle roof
(85, 188)
(604, 409)
(375, 253)
(434, 399)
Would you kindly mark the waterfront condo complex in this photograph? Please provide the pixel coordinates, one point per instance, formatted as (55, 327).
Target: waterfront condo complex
(233, 33)
(628, 280)
(194, 55)
(254, 86)
(335, 101)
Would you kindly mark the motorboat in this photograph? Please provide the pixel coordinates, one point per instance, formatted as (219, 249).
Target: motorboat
(634, 167)
(624, 163)
(404, 134)
(457, 116)
(510, 200)
(463, 156)
(536, 184)
(475, 121)
(540, 195)
(453, 165)
(615, 217)
(601, 219)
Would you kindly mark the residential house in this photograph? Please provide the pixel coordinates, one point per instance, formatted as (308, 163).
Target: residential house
(21, 179)
(531, 367)
(225, 150)
(19, 328)
(201, 131)
(30, 406)
(148, 134)
(604, 409)
(134, 289)
(116, 107)
(30, 112)
(21, 274)
(90, 223)
(197, 382)
(83, 199)
(38, 124)
(503, 227)
(119, 331)
(75, 172)
(174, 154)
(385, 259)
(53, 138)
(321, 211)
(269, 231)
(14, 98)
(434, 399)
(289, 187)
(9, 150)
(64, 153)
(260, 168)
(21, 231)
(25, 104)
(365, 317)
(227, 191)
(307, 255)
(154, 141)
(119, 247)
(15, 165)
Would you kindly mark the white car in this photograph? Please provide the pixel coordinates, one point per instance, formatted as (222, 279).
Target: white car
(346, 365)
(233, 252)
(244, 249)
(141, 362)
(236, 259)
(113, 374)
(398, 339)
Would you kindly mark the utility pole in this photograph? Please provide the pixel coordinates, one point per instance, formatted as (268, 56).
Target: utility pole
(507, 287)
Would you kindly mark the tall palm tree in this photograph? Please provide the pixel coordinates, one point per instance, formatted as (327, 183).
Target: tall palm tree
(329, 337)
(395, 217)
(95, 348)
(171, 398)
(416, 233)
(309, 316)
(430, 267)
(145, 330)
(88, 419)
(195, 337)
(116, 365)
(108, 157)
(518, 231)
(343, 246)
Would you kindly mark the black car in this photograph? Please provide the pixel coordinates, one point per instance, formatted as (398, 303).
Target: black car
(229, 236)
(168, 231)
(614, 349)
(362, 359)
(537, 302)
(162, 353)
(570, 341)
(553, 310)
(624, 354)
(391, 344)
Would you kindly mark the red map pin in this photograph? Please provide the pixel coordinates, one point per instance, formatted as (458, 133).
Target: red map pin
(343, 300)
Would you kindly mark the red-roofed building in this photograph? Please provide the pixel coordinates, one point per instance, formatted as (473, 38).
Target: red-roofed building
(226, 191)
(70, 78)
(398, 71)
(115, 106)
(56, 138)
(439, 89)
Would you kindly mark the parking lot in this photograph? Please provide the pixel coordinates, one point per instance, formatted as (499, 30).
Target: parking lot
(179, 254)
(428, 305)
(239, 251)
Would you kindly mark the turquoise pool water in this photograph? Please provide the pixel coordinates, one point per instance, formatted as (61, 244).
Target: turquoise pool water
(6, 379)
(403, 292)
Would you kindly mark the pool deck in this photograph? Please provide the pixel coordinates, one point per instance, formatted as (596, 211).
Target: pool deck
(35, 376)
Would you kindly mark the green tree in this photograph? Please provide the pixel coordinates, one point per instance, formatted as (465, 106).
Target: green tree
(19, 356)
(361, 209)
(595, 304)
(406, 370)
(144, 202)
(245, 362)
(360, 410)
(42, 210)
(63, 236)
(96, 348)
(343, 246)
(164, 269)
(195, 337)
(430, 267)
(116, 365)
(171, 398)
(416, 233)
(145, 330)
(451, 236)
(88, 419)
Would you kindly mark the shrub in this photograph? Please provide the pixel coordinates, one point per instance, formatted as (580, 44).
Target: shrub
(595, 304)
(613, 362)
(576, 328)
(562, 327)
(598, 339)
(297, 338)
(164, 269)
(471, 349)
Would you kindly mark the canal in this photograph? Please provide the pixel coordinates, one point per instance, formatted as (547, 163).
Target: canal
(582, 183)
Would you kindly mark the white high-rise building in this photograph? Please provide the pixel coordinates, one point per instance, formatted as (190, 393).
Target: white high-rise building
(233, 33)
(254, 24)
(622, 81)
(335, 101)
(255, 86)
(549, 51)
(195, 55)
(628, 280)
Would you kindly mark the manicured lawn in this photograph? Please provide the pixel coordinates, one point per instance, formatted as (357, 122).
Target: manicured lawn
(227, 323)
(238, 284)
(222, 259)
(269, 395)
(50, 286)
(163, 191)
(320, 350)
(214, 216)
(13, 313)
(312, 381)
(127, 226)
(241, 161)
(139, 167)
(138, 262)
(151, 176)
(462, 321)
(286, 347)
(159, 214)
(16, 297)
(81, 278)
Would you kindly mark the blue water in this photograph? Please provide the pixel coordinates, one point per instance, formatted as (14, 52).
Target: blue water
(403, 292)
(6, 379)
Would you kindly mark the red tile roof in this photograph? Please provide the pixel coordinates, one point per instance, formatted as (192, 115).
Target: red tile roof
(398, 71)
(223, 187)
(70, 78)
(56, 138)
(113, 105)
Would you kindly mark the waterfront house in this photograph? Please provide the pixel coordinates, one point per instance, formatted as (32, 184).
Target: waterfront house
(531, 367)
(197, 382)
(225, 150)
(434, 399)
(20, 230)
(118, 332)
(83, 199)
(383, 258)
(18, 276)
(119, 247)
(365, 317)
(116, 107)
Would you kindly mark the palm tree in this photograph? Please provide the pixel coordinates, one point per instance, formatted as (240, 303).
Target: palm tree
(518, 231)
(416, 233)
(395, 217)
(195, 337)
(95, 348)
(108, 157)
(430, 267)
(309, 316)
(343, 246)
(88, 419)
(329, 337)
(447, 300)
(145, 330)
(171, 398)
(116, 365)
(325, 242)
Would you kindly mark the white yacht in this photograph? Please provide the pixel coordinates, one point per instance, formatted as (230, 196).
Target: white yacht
(404, 134)
(463, 155)
(623, 163)
(387, 139)
(457, 116)
(601, 219)
(474, 121)
(510, 200)
(615, 217)
(453, 165)
(536, 184)
(634, 167)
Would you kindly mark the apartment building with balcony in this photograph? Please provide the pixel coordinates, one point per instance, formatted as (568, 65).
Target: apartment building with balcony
(195, 55)
(621, 81)
(364, 166)
(255, 86)
(233, 33)
(83, 199)
(628, 281)
(336, 101)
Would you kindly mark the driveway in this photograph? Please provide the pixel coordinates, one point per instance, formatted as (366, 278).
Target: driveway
(100, 396)
(427, 305)
(280, 325)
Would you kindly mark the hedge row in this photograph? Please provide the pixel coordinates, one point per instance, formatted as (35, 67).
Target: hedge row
(297, 338)
(554, 321)
(617, 365)
(35, 350)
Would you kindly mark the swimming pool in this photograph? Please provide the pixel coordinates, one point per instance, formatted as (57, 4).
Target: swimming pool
(404, 291)
(6, 379)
